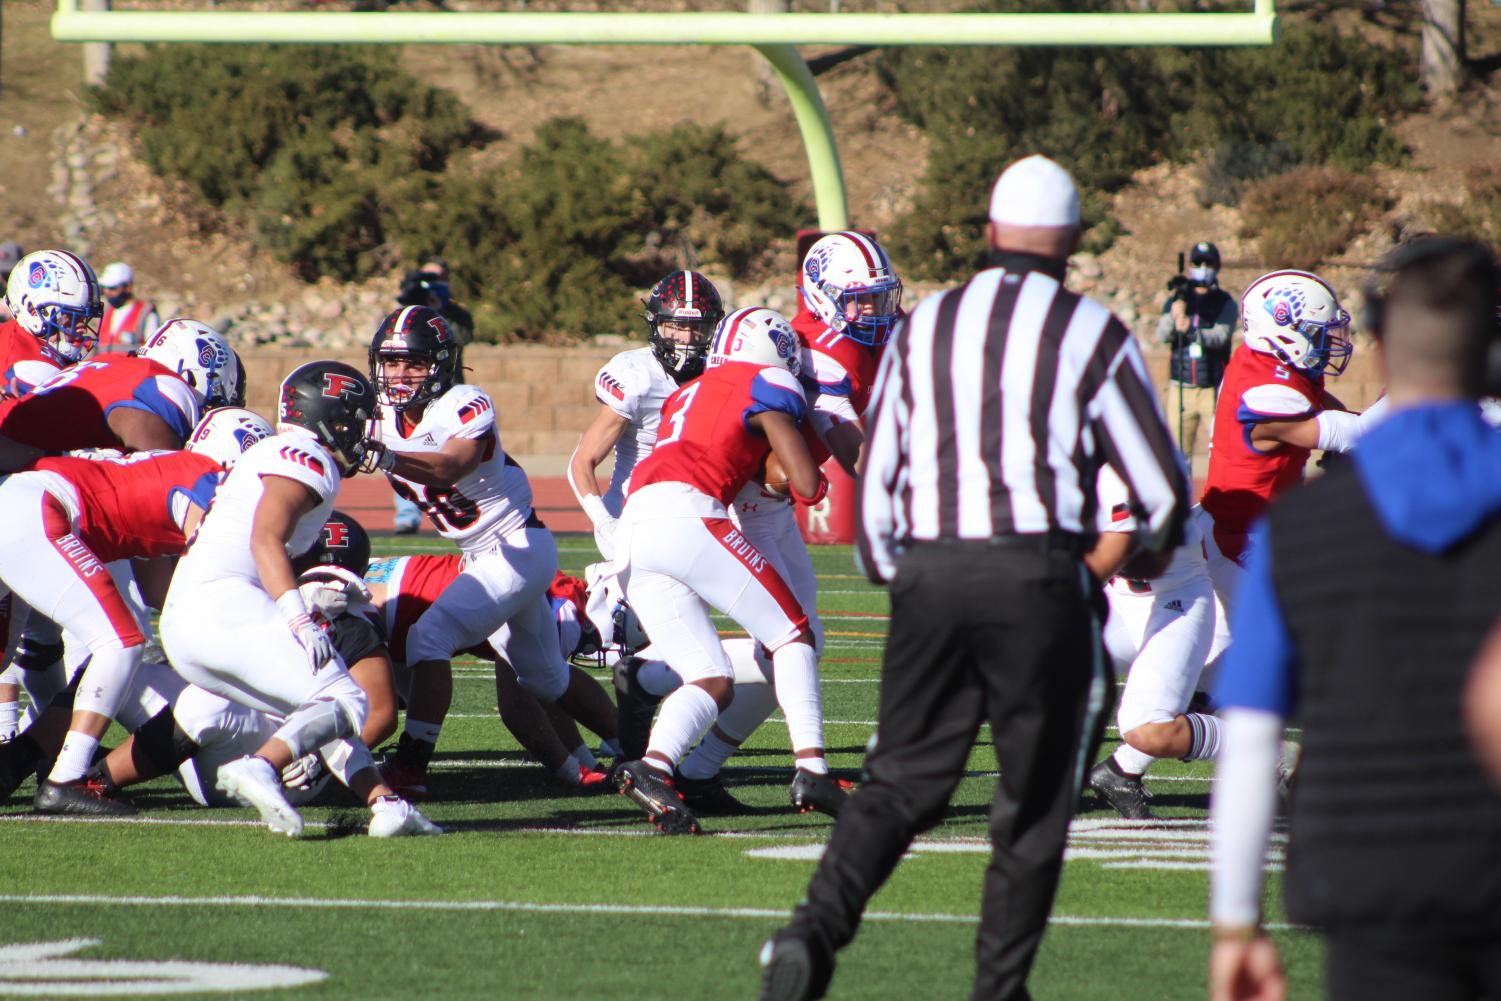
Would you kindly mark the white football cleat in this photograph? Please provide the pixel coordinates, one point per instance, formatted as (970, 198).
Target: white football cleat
(253, 782)
(394, 817)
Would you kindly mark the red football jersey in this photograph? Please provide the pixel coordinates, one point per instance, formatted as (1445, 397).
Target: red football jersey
(840, 367)
(705, 438)
(134, 506)
(24, 360)
(71, 410)
(1242, 481)
(422, 579)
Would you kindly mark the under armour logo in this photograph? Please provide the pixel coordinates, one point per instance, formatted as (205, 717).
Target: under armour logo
(1174, 606)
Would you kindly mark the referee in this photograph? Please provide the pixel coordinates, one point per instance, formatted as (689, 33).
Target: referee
(994, 408)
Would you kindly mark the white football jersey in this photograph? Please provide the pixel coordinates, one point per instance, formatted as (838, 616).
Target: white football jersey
(482, 507)
(221, 546)
(1115, 516)
(634, 385)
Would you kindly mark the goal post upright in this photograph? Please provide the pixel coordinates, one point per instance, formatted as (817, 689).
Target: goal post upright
(773, 35)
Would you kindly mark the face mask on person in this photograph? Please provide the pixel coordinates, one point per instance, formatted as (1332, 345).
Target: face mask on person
(118, 299)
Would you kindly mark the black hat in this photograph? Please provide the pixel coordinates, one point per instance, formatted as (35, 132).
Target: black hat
(1205, 253)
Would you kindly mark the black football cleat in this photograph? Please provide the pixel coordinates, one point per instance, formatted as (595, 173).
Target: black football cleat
(707, 797)
(19, 761)
(1123, 792)
(653, 792)
(823, 793)
(82, 798)
(634, 708)
(793, 968)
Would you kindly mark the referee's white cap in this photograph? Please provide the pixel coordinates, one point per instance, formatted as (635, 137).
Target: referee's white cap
(1034, 191)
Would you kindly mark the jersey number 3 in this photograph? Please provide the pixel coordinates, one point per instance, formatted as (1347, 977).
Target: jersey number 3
(678, 419)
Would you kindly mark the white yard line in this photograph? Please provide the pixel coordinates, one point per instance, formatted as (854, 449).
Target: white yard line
(529, 907)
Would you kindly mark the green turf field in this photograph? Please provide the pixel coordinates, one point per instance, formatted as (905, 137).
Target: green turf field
(537, 892)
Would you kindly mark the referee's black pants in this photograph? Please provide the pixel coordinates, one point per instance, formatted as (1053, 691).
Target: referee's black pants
(1003, 631)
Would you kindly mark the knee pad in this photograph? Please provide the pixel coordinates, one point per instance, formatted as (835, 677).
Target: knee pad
(321, 721)
(433, 636)
(547, 685)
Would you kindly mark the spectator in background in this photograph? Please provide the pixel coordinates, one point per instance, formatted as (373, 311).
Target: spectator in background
(429, 286)
(10, 255)
(1198, 320)
(128, 321)
(1367, 596)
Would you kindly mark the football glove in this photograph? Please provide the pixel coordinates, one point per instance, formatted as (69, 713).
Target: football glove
(317, 645)
(303, 773)
(375, 457)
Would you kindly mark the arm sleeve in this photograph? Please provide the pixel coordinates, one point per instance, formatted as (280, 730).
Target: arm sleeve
(1165, 324)
(1241, 813)
(1260, 666)
(1216, 336)
(879, 517)
(1136, 442)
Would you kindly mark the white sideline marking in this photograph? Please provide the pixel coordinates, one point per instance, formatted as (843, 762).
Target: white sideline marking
(38, 818)
(528, 907)
(35, 969)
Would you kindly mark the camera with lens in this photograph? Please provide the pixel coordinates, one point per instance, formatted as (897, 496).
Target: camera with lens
(420, 289)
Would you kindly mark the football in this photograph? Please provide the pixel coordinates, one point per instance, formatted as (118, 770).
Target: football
(773, 477)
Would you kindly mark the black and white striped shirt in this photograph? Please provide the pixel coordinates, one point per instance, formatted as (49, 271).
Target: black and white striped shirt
(994, 406)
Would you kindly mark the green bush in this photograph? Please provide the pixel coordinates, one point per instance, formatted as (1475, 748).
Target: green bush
(310, 143)
(1315, 97)
(1308, 215)
(563, 243)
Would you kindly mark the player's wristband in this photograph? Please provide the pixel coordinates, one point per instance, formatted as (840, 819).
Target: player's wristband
(293, 609)
(595, 508)
(819, 494)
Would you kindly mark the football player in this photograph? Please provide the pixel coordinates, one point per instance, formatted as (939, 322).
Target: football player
(854, 300)
(1160, 631)
(265, 650)
(1273, 410)
(680, 553)
(438, 444)
(682, 311)
(125, 402)
(61, 524)
(54, 301)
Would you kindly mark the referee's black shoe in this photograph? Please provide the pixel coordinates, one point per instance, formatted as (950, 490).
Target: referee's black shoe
(823, 793)
(634, 708)
(1124, 792)
(794, 968)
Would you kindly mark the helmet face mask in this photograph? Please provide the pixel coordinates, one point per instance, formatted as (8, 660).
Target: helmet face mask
(420, 336)
(849, 284)
(681, 313)
(1297, 317)
(335, 402)
(54, 296)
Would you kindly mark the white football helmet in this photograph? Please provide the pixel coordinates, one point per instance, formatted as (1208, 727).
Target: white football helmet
(1296, 316)
(54, 295)
(759, 336)
(848, 282)
(200, 355)
(224, 434)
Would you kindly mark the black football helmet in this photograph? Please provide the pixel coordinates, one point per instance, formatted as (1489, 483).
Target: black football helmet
(686, 298)
(418, 333)
(342, 543)
(334, 401)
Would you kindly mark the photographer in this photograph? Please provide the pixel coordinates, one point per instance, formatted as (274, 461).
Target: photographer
(1198, 320)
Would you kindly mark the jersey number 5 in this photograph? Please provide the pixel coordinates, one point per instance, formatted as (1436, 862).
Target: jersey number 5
(679, 415)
